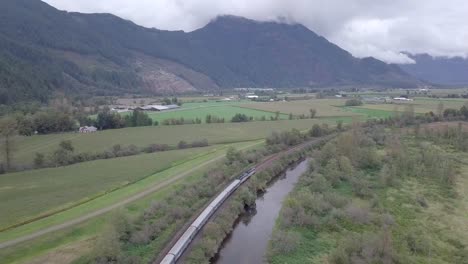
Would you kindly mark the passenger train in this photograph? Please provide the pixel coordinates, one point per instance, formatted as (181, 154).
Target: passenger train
(178, 249)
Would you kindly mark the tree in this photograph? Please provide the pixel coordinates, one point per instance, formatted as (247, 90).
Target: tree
(277, 115)
(67, 145)
(39, 160)
(240, 118)
(353, 102)
(313, 113)
(440, 109)
(167, 101)
(316, 131)
(8, 131)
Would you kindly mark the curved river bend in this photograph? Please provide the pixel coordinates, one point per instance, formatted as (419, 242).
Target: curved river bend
(248, 242)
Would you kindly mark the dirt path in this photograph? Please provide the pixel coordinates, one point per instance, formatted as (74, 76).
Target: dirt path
(104, 210)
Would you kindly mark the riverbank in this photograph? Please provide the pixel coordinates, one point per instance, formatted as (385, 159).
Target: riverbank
(210, 240)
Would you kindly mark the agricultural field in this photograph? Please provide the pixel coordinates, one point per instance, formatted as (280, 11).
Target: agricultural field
(26, 147)
(324, 107)
(68, 244)
(225, 111)
(421, 105)
(37, 192)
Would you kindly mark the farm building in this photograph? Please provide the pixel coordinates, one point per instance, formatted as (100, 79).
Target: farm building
(88, 129)
(157, 107)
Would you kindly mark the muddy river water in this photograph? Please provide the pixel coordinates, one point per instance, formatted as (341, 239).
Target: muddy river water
(249, 240)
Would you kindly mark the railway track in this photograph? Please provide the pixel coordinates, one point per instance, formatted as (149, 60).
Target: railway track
(184, 239)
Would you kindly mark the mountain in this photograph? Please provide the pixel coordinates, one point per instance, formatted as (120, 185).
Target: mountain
(438, 70)
(43, 50)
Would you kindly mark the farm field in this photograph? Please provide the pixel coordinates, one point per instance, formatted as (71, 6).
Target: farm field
(324, 107)
(421, 105)
(182, 170)
(225, 111)
(36, 192)
(26, 147)
(369, 113)
(56, 247)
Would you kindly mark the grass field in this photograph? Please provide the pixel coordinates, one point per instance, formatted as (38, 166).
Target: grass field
(324, 107)
(225, 111)
(421, 105)
(119, 194)
(26, 147)
(36, 192)
(66, 245)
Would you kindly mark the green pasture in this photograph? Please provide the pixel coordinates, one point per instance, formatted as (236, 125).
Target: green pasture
(55, 247)
(324, 107)
(37, 192)
(26, 147)
(225, 111)
(114, 196)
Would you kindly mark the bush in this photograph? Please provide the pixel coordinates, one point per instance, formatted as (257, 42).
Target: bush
(284, 242)
(353, 102)
(238, 118)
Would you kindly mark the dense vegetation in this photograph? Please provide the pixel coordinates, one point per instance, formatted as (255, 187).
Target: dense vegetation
(371, 196)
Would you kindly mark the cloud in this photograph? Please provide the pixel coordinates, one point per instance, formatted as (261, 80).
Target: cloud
(381, 29)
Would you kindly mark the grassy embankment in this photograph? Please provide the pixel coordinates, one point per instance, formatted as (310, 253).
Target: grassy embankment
(397, 201)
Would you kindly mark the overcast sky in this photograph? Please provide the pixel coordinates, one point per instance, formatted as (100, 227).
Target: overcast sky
(379, 28)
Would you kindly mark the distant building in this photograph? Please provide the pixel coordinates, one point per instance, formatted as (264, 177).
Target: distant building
(157, 108)
(88, 129)
(252, 97)
(403, 99)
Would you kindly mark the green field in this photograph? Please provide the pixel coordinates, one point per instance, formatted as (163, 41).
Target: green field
(26, 147)
(119, 194)
(225, 111)
(324, 107)
(36, 192)
(421, 105)
(68, 244)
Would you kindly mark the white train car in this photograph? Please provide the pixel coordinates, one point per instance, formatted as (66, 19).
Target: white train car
(169, 259)
(183, 242)
(178, 249)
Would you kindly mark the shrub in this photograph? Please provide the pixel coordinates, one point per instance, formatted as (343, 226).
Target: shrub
(284, 242)
(353, 102)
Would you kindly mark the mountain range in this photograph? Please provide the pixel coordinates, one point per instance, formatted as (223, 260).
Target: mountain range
(43, 50)
(451, 71)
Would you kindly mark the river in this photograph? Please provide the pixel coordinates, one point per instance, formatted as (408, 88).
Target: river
(248, 242)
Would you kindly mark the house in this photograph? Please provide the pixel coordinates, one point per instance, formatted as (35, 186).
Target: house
(252, 97)
(88, 129)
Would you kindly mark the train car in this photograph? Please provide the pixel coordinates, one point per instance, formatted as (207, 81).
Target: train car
(183, 242)
(202, 218)
(169, 259)
(247, 175)
(178, 249)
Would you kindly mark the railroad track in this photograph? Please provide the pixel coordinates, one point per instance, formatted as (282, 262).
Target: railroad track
(184, 239)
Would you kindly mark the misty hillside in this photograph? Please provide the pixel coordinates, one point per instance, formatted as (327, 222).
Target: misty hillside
(43, 50)
(439, 70)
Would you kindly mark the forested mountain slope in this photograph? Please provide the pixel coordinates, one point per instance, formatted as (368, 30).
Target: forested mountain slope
(44, 50)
